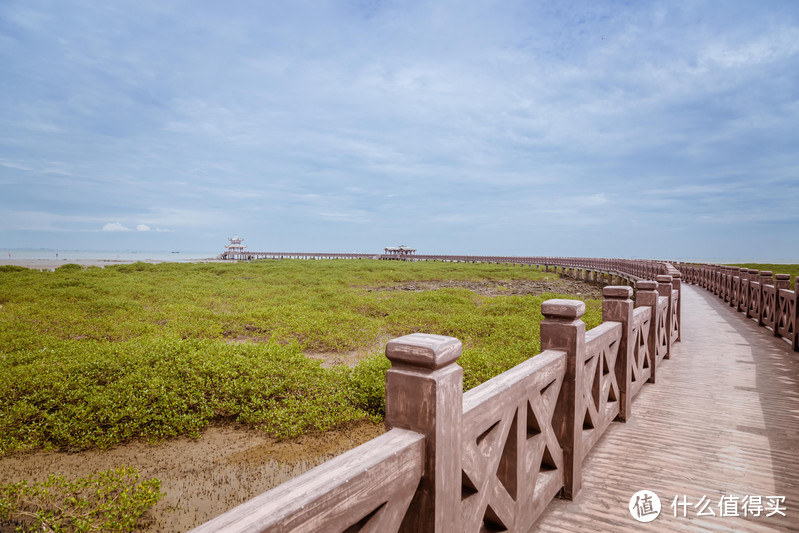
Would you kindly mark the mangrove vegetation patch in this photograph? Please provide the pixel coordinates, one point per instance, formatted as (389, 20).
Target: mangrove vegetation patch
(92, 357)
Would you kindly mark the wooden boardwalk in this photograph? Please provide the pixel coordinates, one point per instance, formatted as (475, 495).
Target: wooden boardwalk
(722, 422)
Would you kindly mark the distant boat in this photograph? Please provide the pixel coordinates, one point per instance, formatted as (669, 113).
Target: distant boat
(175, 252)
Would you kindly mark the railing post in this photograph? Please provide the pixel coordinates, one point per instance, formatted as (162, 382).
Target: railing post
(618, 307)
(753, 278)
(743, 287)
(781, 282)
(646, 294)
(424, 393)
(766, 278)
(563, 329)
(796, 315)
(727, 284)
(711, 280)
(664, 289)
(735, 286)
(743, 290)
(676, 284)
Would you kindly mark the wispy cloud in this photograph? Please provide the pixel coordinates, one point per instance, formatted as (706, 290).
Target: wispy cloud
(513, 128)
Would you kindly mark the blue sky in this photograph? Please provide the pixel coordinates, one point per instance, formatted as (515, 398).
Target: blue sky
(629, 129)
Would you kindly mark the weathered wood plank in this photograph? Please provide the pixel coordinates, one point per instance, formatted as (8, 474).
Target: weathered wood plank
(723, 420)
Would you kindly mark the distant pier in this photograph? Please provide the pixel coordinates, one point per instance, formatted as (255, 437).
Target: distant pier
(245, 255)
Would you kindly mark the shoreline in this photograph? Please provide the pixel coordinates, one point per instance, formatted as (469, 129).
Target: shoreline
(53, 263)
(50, 264)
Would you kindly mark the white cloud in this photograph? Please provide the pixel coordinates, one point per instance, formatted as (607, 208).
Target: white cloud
(355, 215)
(115, 226)
(202, 217)
(11, 164)
(775, 46)
(593, 199)
(338, 126)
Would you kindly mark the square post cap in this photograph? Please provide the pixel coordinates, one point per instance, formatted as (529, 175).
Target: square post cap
(664, 278)
(646, 285)
(564, 309)
(617, 292)
(424, 350)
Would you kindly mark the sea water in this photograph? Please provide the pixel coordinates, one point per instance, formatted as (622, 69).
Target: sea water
(95, 255)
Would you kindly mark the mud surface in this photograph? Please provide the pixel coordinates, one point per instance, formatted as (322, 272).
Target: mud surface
(504, 288)
(201, 478)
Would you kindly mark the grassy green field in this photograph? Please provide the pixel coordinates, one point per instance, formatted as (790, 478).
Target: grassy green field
(793, 270)
(92, 357)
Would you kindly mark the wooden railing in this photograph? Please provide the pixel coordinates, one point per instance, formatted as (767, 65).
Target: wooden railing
(493, 458)
(511, 459)
(762, 296)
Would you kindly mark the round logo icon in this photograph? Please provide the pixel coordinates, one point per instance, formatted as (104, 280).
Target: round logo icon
(645, 506)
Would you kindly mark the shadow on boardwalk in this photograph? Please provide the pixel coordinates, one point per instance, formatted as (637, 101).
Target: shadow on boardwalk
(722, 422)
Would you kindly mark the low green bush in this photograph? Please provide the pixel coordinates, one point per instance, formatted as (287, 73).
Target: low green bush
(112, 500)
(95, 357)
(12, 268)
(68, 267)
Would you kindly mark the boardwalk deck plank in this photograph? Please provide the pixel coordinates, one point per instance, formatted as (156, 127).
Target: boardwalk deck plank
(722, 420)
